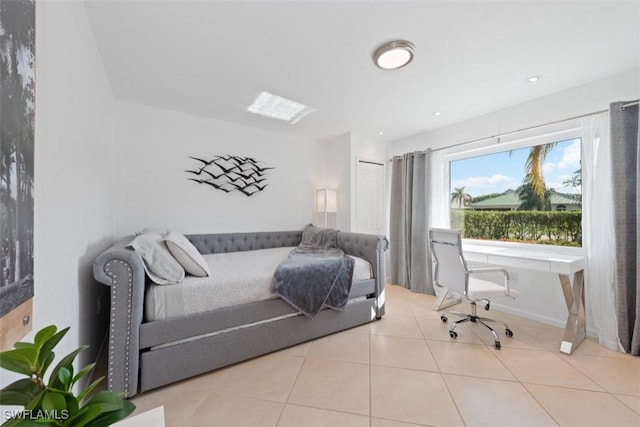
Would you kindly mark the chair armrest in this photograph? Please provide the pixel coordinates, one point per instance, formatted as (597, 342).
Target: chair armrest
(490, 270)
(507, 291)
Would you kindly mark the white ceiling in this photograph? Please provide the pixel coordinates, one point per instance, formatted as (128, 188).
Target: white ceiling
(212, 58)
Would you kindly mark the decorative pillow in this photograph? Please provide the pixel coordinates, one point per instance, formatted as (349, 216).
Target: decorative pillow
(319, 238)
(186, 254)
(161, 267)
(147, 231)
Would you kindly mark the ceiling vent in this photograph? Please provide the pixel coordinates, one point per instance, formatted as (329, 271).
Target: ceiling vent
(277, 107)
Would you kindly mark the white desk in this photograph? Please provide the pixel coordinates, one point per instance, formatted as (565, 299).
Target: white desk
(563, 265)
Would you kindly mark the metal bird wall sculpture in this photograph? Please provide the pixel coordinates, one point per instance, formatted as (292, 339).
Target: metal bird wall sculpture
(231, 173)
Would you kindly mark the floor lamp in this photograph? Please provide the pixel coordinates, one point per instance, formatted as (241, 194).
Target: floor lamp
(326, 208)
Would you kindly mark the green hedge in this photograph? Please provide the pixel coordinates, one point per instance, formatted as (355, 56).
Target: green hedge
(544, 227)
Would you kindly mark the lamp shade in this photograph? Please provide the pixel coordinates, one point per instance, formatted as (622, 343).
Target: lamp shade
(327, 201)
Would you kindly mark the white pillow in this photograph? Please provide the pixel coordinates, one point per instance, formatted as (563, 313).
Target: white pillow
(186, 254)
(161, 267)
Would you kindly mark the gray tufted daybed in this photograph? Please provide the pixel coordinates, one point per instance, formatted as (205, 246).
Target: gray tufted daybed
(143, 355)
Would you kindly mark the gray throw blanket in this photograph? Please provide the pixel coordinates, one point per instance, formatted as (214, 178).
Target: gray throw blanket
(311, 278)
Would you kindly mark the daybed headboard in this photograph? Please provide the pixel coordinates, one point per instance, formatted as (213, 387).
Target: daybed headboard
(239, 242)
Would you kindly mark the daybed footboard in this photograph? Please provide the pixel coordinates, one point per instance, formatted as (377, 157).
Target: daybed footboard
(122, 269)
(371, 248)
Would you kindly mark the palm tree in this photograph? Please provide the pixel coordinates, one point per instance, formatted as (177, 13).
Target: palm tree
(460, 197)
(530, 201)
(575, 181)
(534, 175)
(534, 193)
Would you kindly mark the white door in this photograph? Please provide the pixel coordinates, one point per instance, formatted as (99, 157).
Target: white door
(369, 197)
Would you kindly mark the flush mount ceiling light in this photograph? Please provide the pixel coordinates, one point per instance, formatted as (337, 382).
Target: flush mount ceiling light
(534, 78)
(277, 107)
(394, 54)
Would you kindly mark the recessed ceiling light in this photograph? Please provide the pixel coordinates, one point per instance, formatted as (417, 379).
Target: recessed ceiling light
(380, 133)
(278, 107)
(534, 78)
(394, 54)
(436, 113)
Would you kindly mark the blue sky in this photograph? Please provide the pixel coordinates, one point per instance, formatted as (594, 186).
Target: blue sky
(496, 173)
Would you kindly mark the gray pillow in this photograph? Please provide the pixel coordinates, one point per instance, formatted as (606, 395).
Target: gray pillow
(186, 254)
(319, 238)
(161, 267)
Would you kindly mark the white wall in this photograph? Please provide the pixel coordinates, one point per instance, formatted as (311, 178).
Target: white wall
(73, 173)
(540, 293)
(153, 146)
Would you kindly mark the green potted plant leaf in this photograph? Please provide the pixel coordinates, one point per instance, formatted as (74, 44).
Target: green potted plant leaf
(53, 402)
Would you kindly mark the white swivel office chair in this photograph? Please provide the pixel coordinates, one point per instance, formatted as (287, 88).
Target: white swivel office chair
(451, 272)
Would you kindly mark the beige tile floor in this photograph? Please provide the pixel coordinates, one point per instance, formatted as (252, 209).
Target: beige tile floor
(405, 370)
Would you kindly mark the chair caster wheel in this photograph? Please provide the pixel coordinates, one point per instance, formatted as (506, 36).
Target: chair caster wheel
(444, 318)
(498, 345)
(453, 334)
(487, 307)
(508, 332)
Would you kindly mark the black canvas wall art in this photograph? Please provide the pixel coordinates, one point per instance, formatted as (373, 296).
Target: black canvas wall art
(17, 100)
(230, 173)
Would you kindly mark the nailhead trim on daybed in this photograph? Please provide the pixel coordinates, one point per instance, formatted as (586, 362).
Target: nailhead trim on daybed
(114, 292)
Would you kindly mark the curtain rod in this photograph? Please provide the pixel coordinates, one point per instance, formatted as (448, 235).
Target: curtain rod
(513, 132)
(629, 104)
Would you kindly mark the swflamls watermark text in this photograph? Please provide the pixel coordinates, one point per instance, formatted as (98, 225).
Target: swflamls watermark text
(40, 414)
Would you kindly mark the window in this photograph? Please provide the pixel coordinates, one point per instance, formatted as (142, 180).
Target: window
(527, 190)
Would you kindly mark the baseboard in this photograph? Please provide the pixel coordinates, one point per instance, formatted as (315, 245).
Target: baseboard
(529, 315)
(558, 323)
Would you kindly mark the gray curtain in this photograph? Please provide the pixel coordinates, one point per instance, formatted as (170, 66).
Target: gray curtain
(625, 161)
(410, 261)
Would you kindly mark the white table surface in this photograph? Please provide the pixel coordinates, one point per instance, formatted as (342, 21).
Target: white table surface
(531, 259)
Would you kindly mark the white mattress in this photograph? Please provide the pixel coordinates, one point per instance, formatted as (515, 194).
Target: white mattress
(236, 278)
